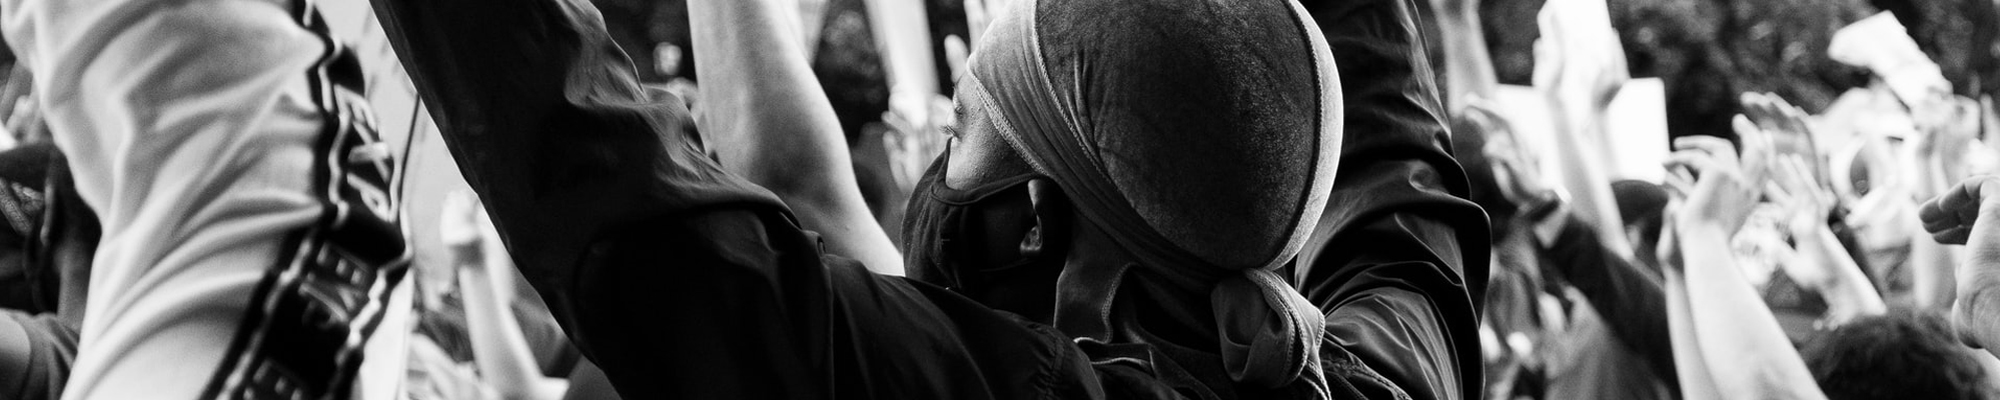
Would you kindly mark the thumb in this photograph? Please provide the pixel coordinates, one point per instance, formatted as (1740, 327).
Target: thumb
(956, 55)
(1983, 242)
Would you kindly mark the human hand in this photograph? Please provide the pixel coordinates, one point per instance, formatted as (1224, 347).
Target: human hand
(474, 243)
(915, 137)
(1786, 127)
(956, 54)
(1807, 206)
(1806, 202)
(1969, 214)
(1947, 127)
(1517, 170)
(1721, 196)
(1759, 149)
(459, 225)
(1578, 61)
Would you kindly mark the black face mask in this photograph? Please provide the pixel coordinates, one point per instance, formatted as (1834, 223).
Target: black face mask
(984, 242)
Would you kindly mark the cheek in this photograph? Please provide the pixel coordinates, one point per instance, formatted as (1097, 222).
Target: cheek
(957, 168)
(976, 157)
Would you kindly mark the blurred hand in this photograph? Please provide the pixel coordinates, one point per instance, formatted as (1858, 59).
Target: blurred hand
(1786, 127)
(1578, 61)
(916, 136)
(1947, 129)
(956, 54)
(460, 225)
(1806, 205)
(1969, 214)
(980, 14)
(473, 241)
(1945, 123)
(1806, 202)
(1759, 149)
(1518, 171)
(1722, 196)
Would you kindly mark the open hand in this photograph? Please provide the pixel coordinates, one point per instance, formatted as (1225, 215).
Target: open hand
(1579, 62)
(916, 136)
(1806, 202)
(1786, 127)
(1721, 197)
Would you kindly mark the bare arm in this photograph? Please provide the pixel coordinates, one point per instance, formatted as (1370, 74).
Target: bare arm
(772, 124)
(1820, 263)
(1690, 367)
(1582, 71)
(485, 278)
(1739, 339)
(1468, 69)
(1847, 291)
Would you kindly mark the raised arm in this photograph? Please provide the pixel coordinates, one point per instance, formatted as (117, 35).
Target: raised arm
(545, 117)
(1582, 69)
(1468, 68)
(1400, 253)
(1632, 300)
(1969, 214)
(486, 283)
(770, 122)
(1740, 343)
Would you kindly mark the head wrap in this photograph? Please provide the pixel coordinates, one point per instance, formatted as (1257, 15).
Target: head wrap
(1201, 135)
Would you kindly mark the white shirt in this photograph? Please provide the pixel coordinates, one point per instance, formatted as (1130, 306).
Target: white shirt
(189, 126)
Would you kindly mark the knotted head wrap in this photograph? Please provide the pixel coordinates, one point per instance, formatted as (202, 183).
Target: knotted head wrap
(1201, 135)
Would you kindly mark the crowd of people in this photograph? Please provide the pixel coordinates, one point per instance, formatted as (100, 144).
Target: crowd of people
(1084, 199)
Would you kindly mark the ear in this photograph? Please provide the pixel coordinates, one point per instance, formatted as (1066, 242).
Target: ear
(1052, 221)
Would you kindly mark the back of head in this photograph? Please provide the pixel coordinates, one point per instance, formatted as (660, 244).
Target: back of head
(1204, 113)
(1198, 135)
(1900, 355)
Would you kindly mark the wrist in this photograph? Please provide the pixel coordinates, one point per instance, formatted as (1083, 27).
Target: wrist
(1971, 315)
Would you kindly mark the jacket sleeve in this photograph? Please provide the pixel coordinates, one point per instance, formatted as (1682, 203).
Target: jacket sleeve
(1391, 260)
(1631, 299)
(677, 279)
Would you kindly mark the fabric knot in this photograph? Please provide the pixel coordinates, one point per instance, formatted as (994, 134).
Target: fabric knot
(1268, 333)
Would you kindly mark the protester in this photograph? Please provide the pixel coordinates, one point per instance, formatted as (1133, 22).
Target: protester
(1094, 199)
(248, 244)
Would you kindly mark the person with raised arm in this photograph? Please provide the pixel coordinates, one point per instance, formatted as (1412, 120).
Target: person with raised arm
(1092, 232)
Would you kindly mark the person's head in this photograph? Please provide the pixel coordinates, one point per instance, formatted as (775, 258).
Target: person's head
(1190, 140)
(1899, 355)
(1642, 205)
(1470, 130)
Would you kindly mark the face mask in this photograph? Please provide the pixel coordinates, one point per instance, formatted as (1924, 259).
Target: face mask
(974, 241)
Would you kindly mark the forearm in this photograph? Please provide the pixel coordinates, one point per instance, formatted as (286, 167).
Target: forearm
(775, 126)
(1630, 298)
(1468, 66)
(505, 361)
(544, 116)
(1848, 294)
(1975, 321)
(1747, 352)
(1690, 366)
(903, 35)
(1583, 174)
